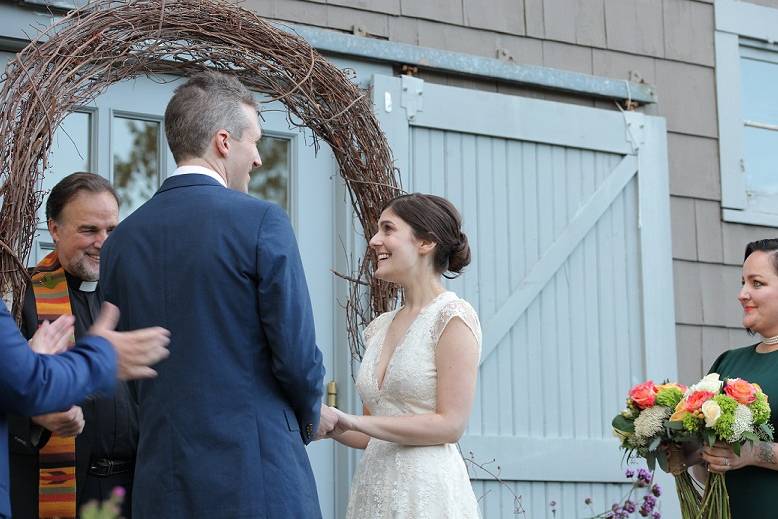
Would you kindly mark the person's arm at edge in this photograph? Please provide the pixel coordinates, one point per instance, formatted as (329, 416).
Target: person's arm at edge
(287, 319)
(32, 384)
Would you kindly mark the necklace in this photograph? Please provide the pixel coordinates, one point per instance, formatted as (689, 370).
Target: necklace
(770, 340)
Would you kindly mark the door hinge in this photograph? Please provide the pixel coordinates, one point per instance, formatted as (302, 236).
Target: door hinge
(412, 96)
(332, 394)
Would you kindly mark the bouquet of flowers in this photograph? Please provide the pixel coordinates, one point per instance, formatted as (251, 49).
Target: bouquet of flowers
(732, 411)
(644, 429)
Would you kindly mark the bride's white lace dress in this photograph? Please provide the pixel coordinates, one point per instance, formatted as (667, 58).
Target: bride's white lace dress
(404, 482)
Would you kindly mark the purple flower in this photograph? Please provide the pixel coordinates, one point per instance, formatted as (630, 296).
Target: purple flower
(656, 515)
(118, 492)
(645, 475)
(629, 473)
(629, 506)
(656, 490)
(649, 500)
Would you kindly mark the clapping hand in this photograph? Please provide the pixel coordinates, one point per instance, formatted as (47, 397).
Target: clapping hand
(135, 350)
(52, 338)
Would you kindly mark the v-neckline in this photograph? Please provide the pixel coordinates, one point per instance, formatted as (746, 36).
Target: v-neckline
(380, 385)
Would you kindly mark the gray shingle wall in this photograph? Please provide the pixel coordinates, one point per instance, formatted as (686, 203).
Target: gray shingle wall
(668, 43)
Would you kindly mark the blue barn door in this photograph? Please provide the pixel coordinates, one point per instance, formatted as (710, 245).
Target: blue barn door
(567, 211)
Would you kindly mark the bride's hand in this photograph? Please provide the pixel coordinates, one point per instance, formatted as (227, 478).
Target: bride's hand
(346, 422)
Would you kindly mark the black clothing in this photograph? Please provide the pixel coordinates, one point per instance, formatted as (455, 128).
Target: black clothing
(110, 430)
(751, 488)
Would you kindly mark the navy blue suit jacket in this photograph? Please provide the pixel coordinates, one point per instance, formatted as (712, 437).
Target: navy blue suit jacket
(33, 384)
(223, 427)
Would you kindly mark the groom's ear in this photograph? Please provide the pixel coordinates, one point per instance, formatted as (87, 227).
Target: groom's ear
(221, 140)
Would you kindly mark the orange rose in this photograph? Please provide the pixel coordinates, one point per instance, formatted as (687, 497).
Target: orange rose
(680, 411)
(696, 399)
(742, 391)
(669, 385)
(643, 395)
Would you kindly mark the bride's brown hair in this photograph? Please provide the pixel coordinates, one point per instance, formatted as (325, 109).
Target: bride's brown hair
(435, 219)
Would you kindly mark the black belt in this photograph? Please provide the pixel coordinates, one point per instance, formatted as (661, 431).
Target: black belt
(104, 467)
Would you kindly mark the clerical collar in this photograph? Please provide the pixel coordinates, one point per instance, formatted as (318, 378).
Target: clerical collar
(77, 284)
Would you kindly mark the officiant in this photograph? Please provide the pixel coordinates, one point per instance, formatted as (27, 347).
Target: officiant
(93, 442)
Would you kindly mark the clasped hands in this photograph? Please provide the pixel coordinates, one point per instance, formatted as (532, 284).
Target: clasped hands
(716, 458)
(333, 422)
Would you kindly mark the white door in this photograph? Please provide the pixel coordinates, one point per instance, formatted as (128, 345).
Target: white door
(567, 212)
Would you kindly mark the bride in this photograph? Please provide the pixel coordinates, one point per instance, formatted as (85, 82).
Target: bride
(417, 378)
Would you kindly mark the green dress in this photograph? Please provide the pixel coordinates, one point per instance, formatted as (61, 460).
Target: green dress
(752, 490)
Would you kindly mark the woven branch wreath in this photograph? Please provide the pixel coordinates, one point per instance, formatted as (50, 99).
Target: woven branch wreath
(108, 41)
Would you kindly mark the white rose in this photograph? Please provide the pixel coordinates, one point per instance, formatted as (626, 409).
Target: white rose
(710, 382)
(712, 413)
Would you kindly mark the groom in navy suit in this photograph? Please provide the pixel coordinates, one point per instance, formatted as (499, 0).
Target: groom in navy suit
(223, 428)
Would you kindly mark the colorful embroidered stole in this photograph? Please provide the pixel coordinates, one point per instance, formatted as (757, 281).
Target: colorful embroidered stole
(57, 459)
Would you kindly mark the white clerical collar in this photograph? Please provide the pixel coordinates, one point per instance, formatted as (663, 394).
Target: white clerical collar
(88, 286)
(198, 170)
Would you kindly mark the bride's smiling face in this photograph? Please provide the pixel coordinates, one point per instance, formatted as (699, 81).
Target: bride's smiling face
(396, 248)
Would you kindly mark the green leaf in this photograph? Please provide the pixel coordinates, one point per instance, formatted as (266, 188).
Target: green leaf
(654, 444)
(662, 460)
(750, 436)
(735, 448)
(623, 424)
(651, 461)
(676, 426)
(710, 436)
(766, 430)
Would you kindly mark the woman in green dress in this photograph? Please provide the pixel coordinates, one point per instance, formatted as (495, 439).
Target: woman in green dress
(752, 477)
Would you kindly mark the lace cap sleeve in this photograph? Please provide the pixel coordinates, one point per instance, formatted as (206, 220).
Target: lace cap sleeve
(457, 308)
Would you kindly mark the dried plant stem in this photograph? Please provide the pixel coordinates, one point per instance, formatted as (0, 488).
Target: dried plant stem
(107, 41)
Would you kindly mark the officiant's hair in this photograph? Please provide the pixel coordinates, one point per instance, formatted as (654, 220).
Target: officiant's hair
(768, 245)
(66, 190)
(436, 219)
(206, 103)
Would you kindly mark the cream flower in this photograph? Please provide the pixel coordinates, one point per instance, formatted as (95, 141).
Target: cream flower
(649, 423)
(710, 382)
(712, 413)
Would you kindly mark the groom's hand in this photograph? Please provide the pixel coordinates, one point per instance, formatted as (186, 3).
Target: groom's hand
(327, 421)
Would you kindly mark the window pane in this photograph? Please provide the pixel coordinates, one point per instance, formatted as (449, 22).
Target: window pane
(70, 148)
(271, 181)
(760, 148)
(136, 157)
(760, 103)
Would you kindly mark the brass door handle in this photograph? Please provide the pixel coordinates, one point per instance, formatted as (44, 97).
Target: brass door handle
(332, 393)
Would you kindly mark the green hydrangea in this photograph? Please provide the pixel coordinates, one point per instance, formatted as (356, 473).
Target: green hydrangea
(691, 423)
(726, 403)
(669, 397)
(760, 408)
(723, 426)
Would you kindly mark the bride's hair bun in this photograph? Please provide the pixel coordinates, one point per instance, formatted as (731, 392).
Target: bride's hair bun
(436, 219)
(459, 257)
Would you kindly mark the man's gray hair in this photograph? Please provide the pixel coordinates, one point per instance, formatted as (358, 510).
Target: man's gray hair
(207, 102)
